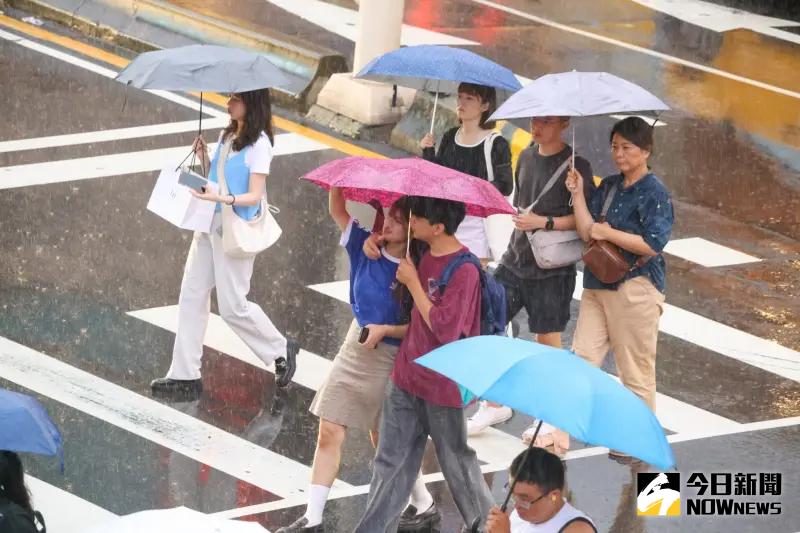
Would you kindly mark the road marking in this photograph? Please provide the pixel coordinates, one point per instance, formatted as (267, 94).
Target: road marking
(312, 370)
(103, 71)
(344, 22)
(152, 420)
(724, 340)
(500, 467)
(118, 134)
(103, 166)
(635, 48)
(673, 414)
(102, 55)
(707, 253)
(722, 19)
(63, 511)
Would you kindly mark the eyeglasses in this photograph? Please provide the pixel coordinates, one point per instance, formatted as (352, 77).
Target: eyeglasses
(525, 504)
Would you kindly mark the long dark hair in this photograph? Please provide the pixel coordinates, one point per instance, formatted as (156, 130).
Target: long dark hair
(12, 481)
(257, 118)
(416, 249)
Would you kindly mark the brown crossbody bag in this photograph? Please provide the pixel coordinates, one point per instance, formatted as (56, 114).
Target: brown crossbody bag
(604, 259)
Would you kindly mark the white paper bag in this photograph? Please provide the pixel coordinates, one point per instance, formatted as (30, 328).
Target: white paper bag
(174, 203)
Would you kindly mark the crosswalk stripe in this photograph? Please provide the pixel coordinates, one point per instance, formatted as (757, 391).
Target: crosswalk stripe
(126, 163)
(63, 511)
(117, 134)
(673, 414)
(707, 253)
(724, 340)
(152, 420)
(312, 369)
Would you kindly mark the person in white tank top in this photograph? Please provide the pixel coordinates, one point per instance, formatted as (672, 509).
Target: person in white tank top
(538, 502)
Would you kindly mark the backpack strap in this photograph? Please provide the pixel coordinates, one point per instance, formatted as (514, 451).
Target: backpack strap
(488, 143)
(457, 261)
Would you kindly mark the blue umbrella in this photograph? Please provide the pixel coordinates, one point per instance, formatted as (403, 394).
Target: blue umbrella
(438, 68)
(25, 426)
(558, 387)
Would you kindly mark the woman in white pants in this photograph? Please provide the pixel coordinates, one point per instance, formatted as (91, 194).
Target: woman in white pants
(246, 168)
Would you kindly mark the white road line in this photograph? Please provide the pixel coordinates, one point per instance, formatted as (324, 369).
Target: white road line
(721, 18)
(312, 369)
(673, 414)
(117, 134)
(126, 163)
(707, 253)
(344, 22)
(152, 420)
(635, 48)
(103, 71)
(725, 340)
(499, 467)
(63, 511)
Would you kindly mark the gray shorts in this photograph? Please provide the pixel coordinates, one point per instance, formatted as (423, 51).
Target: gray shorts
(546, 301)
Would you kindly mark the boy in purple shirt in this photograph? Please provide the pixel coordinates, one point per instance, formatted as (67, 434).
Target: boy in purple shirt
(421, 403)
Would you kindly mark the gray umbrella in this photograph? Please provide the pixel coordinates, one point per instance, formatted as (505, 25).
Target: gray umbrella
(202, 67)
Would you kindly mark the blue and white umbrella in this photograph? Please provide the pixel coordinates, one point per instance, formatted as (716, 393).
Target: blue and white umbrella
(438, 69)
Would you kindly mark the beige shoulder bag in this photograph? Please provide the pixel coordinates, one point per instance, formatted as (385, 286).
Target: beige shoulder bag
(245, 238)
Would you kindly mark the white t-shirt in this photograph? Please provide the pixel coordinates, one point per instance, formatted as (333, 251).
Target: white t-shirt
(258, 156)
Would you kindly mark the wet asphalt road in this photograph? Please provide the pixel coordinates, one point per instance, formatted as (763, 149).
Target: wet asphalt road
(79, 255)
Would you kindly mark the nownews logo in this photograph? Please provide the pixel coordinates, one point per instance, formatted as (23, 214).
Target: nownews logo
(659, 494)
(720, 494)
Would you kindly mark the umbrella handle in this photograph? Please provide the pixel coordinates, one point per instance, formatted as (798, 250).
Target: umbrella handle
(435, 105)
(522, 464)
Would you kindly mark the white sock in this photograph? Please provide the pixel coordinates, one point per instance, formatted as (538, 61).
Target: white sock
(317, 497)
(420, 497)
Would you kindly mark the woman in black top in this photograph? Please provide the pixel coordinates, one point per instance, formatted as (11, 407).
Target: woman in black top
(464, 149)
(16, 513)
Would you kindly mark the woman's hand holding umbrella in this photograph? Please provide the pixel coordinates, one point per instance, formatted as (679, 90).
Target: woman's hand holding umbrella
(429, 141)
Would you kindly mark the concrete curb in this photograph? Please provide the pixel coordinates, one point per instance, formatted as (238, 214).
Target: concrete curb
(309, 66)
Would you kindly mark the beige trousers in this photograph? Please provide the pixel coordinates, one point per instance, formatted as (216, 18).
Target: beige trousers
(625, 320)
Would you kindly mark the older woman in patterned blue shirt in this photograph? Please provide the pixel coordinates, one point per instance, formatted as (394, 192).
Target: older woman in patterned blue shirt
(624, 316)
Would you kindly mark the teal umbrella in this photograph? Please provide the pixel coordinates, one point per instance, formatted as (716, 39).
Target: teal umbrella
(555, 386)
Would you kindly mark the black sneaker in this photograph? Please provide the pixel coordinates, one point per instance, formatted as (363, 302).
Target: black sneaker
(285, 366)
(410, 521)
(299, 525)
(177, 389)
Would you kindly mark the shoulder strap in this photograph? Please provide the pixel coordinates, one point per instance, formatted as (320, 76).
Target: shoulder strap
(612, 191)
(550, 183)
(223, 158)
(488, 143)
(457, 261)
(576, 519)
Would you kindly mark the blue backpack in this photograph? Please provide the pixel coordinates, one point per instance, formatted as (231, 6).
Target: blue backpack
(493, 294)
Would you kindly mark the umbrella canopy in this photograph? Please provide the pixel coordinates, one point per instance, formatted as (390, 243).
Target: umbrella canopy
(438, 68)
(202, 67)
(177, 520)
(578, 94)
(558, 387)
(25, 426)
(363, 179)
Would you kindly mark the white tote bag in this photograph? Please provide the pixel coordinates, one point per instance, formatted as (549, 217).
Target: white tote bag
(245, 238)
(498, 227)
(174, 203)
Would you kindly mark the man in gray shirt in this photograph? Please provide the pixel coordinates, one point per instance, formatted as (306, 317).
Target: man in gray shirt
(544, 293)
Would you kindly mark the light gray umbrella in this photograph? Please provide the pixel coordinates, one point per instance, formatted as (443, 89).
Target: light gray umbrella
(203, 68)
(578, 94)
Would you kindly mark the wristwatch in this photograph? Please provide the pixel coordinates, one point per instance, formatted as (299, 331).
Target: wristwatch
(550, 224)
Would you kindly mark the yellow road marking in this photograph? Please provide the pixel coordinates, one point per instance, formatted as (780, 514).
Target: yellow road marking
(121, 62)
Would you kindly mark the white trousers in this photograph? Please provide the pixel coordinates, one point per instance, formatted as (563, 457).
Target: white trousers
(207, 267)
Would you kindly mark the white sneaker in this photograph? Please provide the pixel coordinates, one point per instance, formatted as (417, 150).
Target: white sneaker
(486, 416)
